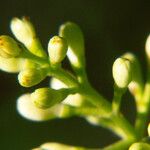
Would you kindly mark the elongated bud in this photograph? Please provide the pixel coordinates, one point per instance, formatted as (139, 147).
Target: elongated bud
(46, 97)
(122, 72)
(11, 65)
(57, 49)
(24, 31)
(58, 146)
(140, 146)
(147, 47)
(29, 111)
(32, 76)
(148, 129)
(136, 85)
(9, 48)
(73, 34)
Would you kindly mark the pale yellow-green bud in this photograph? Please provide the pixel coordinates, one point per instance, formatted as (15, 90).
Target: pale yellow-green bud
(32, 76)
(148, 129)
(11, 65)
(9, 48)
(47, 97)
(58, 146)
(147, 47)
(136, 85)
(57, 49)
(140, 146)
(122, 72)
(28, 110)
(73, 34)
(24, 31)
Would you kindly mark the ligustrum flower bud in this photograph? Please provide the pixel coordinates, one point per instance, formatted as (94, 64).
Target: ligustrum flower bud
(147, 47)
(139, 146)
(136, 85)
(9, 47)
(122, 72)
(148, 129)
(24, 31)
(58, 146)
(11, 65)
(45, 97)
(73, 34)
(57, 49)
(31, 76)
(29, 111)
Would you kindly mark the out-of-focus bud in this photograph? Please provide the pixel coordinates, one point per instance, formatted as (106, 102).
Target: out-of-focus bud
(148, 129)
(45, 97)
(24, 31)
(147, 47)
(72, 99)
(136, 85)
(31, 76)
(57, 49)
(58, 146)
(140, 146)
(73, 34)
(28, 110)
(122, 72)
(11, 65)
(9, 48)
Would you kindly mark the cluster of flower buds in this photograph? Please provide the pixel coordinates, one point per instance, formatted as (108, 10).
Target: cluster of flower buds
(26, 56)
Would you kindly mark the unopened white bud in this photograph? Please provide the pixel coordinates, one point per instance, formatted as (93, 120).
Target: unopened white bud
(11, 65)
(73, 34)
(23, 30)
(147, 47)
(122, 72)
(57, 49)
(28, 110)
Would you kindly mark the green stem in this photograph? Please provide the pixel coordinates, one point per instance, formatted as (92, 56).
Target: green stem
(120, 145)
(94, 98)
(143, 112)
(117, 99)
(143, 106)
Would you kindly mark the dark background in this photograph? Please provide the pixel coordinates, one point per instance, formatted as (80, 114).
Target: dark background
(110, 27)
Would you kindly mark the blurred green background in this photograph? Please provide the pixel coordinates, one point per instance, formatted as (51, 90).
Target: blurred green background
(110, 27)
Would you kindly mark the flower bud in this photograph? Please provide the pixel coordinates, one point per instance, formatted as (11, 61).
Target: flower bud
(11, 65)
(46, 97)
(73, 34)
(57, 49)
(24, 31)
(122, 72)
(9, 47)
(147, 47)
(139, 146)
(31, 76)
(58, 146)
(136, 85)
(148, 129)
(29, 111)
